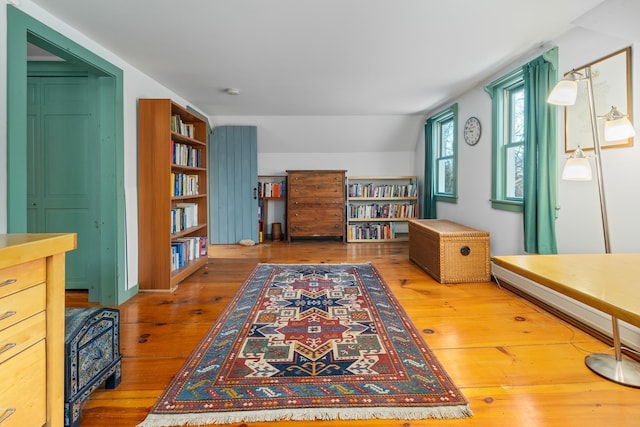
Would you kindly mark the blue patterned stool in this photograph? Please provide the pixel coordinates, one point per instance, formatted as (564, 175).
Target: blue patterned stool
(92, 356)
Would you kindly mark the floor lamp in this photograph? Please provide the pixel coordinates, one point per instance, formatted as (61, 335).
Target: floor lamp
(617, 127)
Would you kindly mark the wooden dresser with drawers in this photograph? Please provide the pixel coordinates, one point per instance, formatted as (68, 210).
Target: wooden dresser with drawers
(316, 203)
(32, 309)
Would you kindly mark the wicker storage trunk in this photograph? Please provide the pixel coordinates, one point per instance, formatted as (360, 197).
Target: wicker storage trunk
(450, 252)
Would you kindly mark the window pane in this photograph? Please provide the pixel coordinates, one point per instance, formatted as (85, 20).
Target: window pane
(445, 176)
(446, 138)
(516, 101)
(514, 171)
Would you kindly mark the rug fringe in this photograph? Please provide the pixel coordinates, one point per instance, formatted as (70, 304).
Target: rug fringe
(306, 414)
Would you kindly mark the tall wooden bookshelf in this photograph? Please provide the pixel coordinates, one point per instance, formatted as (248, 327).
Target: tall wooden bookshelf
(172, 194)
(378, 207)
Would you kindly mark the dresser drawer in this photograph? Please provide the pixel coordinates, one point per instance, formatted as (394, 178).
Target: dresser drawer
(22, 395)
(322, 228)
(317, 215)
(22, 335)
(319, 191)
(316, 178)
(20, 276)
(17, 307)
(316, 201)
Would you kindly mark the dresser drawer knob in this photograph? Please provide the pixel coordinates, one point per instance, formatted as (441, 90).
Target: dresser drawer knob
(7, 314)
(7, 413)
(8, 282)
(7, 346)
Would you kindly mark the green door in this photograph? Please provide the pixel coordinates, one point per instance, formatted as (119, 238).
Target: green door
(63, 170)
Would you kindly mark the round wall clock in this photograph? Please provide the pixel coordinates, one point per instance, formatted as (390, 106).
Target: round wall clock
(472, 131)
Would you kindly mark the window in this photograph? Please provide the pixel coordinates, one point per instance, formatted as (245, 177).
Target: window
(509, 125)
(442, 139)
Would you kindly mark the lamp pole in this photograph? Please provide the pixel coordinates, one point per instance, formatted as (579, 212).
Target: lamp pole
(596, 147)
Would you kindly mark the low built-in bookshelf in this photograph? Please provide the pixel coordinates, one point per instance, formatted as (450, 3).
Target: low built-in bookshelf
(272, 200)
(378, 207)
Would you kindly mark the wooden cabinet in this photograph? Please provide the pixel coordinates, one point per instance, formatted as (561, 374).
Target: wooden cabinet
(172, 194)
(378, 207)
(272, 195)
(32, 268)
(315, 203)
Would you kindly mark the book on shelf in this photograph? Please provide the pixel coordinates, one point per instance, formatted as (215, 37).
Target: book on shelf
(183, 217)
(184, 184)
(382, 190)
(178, 126)
(185, 155)
(187, 249)
(386, 231)
(383, 211)
(272, 189)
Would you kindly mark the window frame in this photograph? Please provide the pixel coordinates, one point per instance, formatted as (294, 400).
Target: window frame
(435, 143)
(499, 91)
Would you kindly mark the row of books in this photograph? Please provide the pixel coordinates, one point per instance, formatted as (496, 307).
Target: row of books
(178, 126)
(184, 185)
(389, 210)
(371, 231)
(272, 189)
(387, 190)
(184, 216)
(187, 249)
(185, 155)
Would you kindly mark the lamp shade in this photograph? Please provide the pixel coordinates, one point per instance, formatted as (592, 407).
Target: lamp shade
(564, 93)
(619, 129)
(577, 169)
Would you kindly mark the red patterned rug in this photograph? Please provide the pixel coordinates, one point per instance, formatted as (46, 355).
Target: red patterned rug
(303, 342)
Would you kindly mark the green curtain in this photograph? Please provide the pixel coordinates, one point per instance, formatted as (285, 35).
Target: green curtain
(429, 181)
(540, 156)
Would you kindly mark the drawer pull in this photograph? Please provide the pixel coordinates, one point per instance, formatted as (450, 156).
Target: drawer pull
(7, 314)
(8, 282)
(7, 413)
(7, 346)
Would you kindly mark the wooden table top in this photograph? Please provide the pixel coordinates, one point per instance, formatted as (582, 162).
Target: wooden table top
(607, 282)
(23, 247)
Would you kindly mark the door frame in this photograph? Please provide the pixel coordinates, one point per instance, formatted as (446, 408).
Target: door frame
(21, 29)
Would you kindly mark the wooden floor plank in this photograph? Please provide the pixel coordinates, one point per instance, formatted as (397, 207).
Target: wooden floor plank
(517, 364)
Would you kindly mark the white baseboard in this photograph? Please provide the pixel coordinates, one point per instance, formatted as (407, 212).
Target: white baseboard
(601, 322)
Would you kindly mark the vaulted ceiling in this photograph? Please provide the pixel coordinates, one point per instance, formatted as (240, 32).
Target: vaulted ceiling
(320, 57)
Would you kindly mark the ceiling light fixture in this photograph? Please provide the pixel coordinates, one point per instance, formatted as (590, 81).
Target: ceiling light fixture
(232, 91)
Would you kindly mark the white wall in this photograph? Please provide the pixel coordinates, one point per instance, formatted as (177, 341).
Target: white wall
(299, 142)
(579, 228)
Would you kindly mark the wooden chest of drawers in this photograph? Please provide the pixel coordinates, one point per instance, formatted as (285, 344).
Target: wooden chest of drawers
(32, 328)
(316, 203)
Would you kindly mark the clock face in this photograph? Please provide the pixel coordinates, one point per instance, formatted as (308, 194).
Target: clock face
(472, 131)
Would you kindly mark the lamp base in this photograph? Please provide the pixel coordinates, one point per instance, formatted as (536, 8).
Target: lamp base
(623, 371)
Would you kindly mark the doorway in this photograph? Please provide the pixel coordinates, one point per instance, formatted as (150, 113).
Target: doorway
(62, 166)
(110, 248)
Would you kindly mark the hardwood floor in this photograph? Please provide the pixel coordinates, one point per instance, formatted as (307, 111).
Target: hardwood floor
(516, 364)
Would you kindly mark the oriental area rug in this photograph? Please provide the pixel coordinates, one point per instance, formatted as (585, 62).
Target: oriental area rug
(304, 342)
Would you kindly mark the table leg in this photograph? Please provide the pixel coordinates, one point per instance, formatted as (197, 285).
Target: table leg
(615, 367)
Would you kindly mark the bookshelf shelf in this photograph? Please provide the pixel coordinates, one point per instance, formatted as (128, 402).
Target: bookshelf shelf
(172, 194)
(378, 207)
(272, 198)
